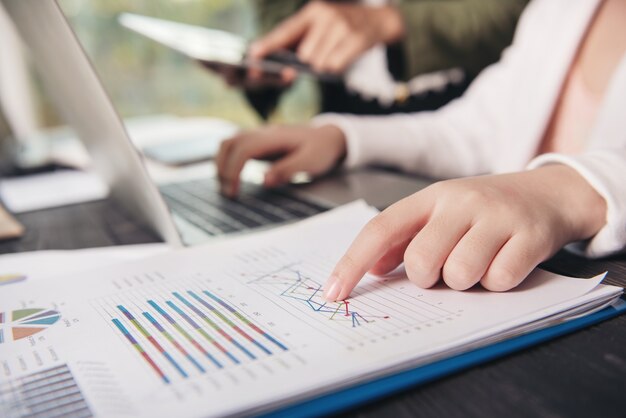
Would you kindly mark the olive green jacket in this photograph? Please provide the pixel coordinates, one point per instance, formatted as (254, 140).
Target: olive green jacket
(440, 34)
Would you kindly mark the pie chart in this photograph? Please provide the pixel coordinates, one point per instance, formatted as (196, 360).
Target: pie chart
(22, 323)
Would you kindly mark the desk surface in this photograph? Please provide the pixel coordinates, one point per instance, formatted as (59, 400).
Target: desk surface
(580, 375)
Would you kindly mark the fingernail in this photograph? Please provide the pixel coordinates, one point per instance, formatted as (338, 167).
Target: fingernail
(332, 289)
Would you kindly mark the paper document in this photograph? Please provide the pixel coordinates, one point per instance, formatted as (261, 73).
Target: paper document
(40, 265)
(240, 327)
(58, 188)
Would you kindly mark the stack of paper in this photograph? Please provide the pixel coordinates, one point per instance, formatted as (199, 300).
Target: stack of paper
(240, 327)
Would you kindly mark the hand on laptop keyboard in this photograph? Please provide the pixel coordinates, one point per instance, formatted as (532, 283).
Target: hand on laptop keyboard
(199, 203)
(314, 151)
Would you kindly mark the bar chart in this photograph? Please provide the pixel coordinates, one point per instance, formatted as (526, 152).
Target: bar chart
(48, 393)
(184, 333)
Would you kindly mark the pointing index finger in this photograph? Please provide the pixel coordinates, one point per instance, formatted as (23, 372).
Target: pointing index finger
(395, 224)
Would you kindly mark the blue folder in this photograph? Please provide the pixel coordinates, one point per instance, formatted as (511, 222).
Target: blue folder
(376, 389)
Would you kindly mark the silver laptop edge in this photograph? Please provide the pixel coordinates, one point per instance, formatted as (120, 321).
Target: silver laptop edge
(77, 92)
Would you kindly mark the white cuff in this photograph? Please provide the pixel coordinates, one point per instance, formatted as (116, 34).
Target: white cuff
(598, 172)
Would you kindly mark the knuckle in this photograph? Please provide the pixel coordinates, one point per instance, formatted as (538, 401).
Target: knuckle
(336, 65)
(542, 235)
(439, 192)
(500, 279)
(225, 144)
(378, 228)
(459, 274)
(419, 268)
(475, 197)
(244, 154)
(318, 7)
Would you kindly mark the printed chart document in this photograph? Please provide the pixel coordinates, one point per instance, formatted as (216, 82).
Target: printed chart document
(44, 265)
(240, 327)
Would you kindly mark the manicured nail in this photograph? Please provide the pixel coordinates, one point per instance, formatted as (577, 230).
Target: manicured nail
(332, 289)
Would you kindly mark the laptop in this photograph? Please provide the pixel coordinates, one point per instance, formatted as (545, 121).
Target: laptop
(179, 213)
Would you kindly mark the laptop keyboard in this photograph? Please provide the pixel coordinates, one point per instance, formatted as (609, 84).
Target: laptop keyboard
(200, 203)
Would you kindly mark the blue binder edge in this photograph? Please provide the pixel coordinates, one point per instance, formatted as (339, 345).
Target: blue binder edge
(379, 388)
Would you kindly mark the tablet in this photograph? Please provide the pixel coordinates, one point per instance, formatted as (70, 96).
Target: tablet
(213, 46)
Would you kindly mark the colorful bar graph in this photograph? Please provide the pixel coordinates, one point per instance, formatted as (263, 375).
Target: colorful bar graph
(140, 349)
(52, 392)
(213, 325)
(172, 341)
(245, 320)
(150, 338)
(229, 322)
(184, 333)
(202, 332)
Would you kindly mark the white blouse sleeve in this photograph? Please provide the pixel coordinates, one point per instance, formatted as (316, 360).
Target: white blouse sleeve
(605, 171)
(603, 165)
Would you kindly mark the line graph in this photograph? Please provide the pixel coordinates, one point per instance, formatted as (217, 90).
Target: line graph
(299, 287)
(378, 308)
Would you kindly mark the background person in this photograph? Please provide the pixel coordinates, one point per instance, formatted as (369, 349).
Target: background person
(403, 56)
(547, 121)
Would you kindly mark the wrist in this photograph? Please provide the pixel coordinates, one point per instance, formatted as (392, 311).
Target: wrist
(580, 205)
(335, 141)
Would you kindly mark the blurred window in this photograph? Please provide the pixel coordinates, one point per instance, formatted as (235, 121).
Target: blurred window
(144, 78)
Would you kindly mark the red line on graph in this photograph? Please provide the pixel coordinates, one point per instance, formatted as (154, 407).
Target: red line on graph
(346, 303)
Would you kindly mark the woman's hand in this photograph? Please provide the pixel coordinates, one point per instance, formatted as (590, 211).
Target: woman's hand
(329, 37)
(297, 149)
(491, 230)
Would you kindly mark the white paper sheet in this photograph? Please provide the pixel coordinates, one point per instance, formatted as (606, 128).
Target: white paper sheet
(41, 265)
(240, 326)
(58, 188)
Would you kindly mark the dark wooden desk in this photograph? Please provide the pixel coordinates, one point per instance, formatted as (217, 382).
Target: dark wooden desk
(580, 375)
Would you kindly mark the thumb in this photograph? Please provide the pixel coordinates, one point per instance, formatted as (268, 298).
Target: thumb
(286, 168)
